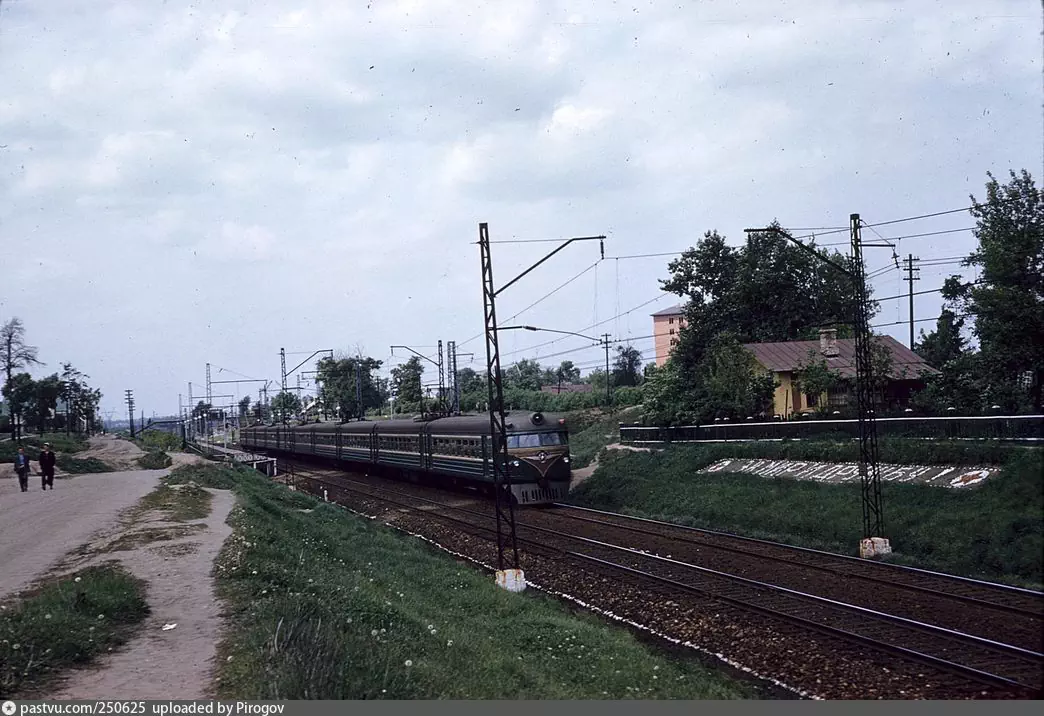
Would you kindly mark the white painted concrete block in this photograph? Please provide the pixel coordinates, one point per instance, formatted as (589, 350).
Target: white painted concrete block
(874, 547)
(513, 580)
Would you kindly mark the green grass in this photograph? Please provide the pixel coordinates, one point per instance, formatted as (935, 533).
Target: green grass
(180, 503)
(158, 440)
(995, 531)
(60, 443)
(325, 605)
(590, 431)
(79, 466)
(155, 460)
(66, 623)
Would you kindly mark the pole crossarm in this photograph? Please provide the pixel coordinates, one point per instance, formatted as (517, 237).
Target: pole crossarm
(515, 280)
(215, 382)
(326, 350)
(419, 355)
(549, 330)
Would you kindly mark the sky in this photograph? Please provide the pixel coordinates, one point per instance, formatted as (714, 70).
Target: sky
(183, 184)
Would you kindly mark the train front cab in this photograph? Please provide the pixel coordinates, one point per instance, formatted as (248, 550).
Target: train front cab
(540, 465)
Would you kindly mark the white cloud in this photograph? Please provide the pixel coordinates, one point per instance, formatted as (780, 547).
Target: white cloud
(325, 165)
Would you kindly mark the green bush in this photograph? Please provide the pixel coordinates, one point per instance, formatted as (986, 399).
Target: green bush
(155, 460)
(78, 466)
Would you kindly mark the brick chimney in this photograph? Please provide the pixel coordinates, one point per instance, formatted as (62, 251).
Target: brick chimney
(828, 342)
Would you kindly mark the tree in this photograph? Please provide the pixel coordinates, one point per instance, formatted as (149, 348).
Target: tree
(19, 391)
(817, 378)
(406, 380)
(80, 397)
(627, 366)
(44, 403)
(344, 381)
(244, 407)
(1007, 303)
(15, 354)
(945, 343)
(567, 372)
(286, 404)
(524, 375)
(470, 381)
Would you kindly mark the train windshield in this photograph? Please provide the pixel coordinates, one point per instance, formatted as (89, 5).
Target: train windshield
(535, 440)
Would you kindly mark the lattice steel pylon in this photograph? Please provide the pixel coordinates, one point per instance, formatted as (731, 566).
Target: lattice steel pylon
(869, 469)
(442, 382)
(454, 386)
(506, 540)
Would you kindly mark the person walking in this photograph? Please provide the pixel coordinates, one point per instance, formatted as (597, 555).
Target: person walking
(47, 460)
(21, 463)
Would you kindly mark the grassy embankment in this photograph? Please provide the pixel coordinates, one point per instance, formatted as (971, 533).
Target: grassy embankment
(65, 448)
(326, 605)
(995, 531)
(591, 430)
(66, 623)
(156, 443)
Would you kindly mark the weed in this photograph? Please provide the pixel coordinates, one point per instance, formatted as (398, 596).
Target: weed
(78, 466)
(180, 503)
(66, 623)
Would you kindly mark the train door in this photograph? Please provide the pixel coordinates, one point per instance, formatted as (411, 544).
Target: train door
(291, 440)
(338, 442)
(375, 445)
(313, 442)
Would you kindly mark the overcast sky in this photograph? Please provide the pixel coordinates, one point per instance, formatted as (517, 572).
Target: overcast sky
(183, 183)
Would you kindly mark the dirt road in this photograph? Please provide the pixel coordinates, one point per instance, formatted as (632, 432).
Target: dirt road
(38, 528)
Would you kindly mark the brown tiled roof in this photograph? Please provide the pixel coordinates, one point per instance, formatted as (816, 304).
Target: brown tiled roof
(675, 311)
(793, 355)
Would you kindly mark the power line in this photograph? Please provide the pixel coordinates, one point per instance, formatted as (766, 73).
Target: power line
(911, 236)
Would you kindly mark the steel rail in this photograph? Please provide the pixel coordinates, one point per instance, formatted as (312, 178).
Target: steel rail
(848, 558)
(962, 669)
(819, 567)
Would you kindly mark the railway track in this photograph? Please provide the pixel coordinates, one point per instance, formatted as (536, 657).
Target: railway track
(967, 659)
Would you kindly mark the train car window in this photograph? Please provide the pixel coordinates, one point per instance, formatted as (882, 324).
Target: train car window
(554, 439)
(531, 440)
(512, 441)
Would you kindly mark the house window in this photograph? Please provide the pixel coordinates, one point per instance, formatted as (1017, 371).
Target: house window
(672, 332)
(837, 398)
(811, 400)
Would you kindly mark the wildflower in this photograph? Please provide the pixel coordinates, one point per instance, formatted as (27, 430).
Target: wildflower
(373, 632)
(47, 616)
(449, 642)
(16, 647)
(409, 662)
(78, 579)
(101, 616)
(255, 572)
(349, 620)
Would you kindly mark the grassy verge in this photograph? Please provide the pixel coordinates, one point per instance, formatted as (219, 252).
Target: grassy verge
(60, 443)
(79, 466)
(995, 531)
(179, 503)
(590, 431)
(158, 440)
(155, 460)
(324, 605)
(66, 623)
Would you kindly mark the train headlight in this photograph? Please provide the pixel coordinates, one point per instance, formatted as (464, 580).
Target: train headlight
(565, 460)
(516, 463)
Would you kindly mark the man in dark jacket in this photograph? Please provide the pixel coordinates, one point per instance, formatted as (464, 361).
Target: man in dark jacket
(21, 463)
(47, 460)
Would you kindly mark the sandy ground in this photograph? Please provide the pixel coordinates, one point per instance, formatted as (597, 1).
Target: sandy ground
(120, 454)
(38, 528)
(55, 532)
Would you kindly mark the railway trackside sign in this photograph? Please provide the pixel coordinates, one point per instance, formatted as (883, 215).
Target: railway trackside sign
(839, 473)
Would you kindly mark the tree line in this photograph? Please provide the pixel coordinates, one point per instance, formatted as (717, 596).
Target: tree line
(33, 403)
(769, 290)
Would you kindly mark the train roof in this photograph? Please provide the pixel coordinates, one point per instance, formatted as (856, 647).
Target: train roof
(478, 424)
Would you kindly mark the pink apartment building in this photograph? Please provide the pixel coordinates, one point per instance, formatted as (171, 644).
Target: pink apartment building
(666, 326)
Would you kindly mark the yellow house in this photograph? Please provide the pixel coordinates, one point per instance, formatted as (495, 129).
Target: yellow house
(786, 360)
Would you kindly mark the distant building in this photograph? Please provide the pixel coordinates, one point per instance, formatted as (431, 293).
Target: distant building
(667, 324)
(786, 360)
(567, 388)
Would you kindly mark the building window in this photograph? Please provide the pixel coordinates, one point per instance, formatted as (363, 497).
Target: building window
(670, 320)
(674, 341)
(672, 332)
(811, 400)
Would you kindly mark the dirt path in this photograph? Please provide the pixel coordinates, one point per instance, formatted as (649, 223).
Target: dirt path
(165, 662)
(118, 454)
(583, 473)
(38, 528)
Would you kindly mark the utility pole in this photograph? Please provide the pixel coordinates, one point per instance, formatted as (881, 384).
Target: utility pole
(873, 543)
(358, 388)
(130, 409)
(442, 382)
(513, 578)
(451, 354)
(608, 375)
(910, 278)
